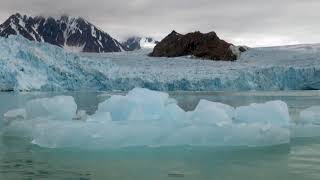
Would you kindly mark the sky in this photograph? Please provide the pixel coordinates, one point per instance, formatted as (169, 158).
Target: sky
(246, 22)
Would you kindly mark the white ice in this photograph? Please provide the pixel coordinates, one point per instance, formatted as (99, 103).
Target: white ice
(15, 114)
(144, 43)
(274, 112)
(212, 113)
(26, 65)
(310, 115)
(308, 124)
(57, 108)
(149, 118)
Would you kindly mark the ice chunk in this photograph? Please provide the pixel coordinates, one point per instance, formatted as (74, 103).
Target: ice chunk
(305, 130)
(274, 112)
(25, 129)
(16, 114)
(230, 135)
(100, 117)
(150, 118)
(58, 108)
(81, 115)
(308, 124)
(212, 113)
(310, 115)
(173, 112)
(138, 104)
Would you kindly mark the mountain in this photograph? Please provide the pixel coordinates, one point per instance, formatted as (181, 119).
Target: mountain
(207, 46)
(71, 33)
(136, 43)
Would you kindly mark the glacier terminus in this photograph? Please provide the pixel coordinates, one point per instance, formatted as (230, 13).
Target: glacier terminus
(33, 66)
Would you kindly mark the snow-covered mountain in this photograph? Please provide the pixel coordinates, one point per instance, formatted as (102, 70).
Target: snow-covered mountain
(136, 43)
(27, 66)
(71, 33)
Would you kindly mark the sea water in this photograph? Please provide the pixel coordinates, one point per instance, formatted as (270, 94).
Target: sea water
(299, 160)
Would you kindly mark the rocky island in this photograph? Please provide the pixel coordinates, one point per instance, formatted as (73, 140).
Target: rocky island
(201, 45)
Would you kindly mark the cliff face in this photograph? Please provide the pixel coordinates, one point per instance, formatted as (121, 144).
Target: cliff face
(206, 46)
(71, 33)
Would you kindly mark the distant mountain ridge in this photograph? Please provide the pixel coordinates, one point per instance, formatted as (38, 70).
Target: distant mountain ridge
(71, 33)
(136, 43)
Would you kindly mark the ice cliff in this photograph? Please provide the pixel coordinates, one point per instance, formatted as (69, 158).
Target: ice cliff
(29, 66)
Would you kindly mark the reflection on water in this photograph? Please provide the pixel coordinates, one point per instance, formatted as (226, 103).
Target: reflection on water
(304, 159)
(21, 159)
(298, 161)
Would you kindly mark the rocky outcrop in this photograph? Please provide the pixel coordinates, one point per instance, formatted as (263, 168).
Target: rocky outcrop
(71, 33)
(206, 46)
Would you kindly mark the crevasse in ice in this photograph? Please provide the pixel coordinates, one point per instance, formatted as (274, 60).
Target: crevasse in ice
(148, 118)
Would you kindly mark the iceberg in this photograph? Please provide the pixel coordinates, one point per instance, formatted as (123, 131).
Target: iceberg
(206, 110)
(57, 108)
(138, 104)
(149, 118)
(308, 124)
(269, 112)
(15, 114)
(310, 115)
(33, 66)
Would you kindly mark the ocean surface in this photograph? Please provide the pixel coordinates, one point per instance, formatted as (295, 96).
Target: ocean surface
(299, 160)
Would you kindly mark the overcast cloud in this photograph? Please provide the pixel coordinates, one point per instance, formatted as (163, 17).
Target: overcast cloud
(249, 22)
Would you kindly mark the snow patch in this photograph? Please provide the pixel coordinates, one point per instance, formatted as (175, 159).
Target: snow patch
(147, 43)
(236, 50)
(93, 32)
(118, 45)
(74, 49)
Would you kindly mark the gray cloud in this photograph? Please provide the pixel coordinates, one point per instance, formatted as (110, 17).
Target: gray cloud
(251, 22)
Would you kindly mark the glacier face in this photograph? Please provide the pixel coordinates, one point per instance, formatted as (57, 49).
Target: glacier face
(29, 66)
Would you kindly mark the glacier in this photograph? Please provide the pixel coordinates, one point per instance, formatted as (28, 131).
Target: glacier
(33, 66)
(147, 118)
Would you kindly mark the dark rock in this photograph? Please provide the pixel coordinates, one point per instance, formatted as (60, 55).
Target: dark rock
(66, 32)
(243, 48)
(207, 46)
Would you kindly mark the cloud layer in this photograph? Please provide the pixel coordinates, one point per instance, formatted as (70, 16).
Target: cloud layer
(250, 22)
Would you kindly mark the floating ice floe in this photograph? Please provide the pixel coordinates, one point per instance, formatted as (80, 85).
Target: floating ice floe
(148, 118)
(56, 108)
(15, 114)
(308, 124)
(310, 115)
(274, 112)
